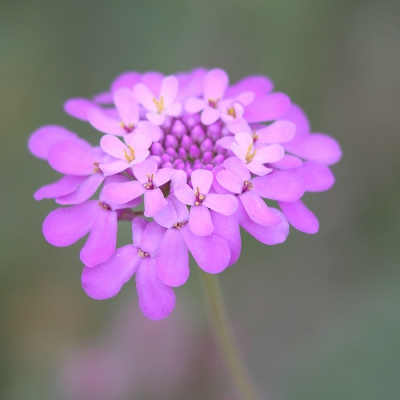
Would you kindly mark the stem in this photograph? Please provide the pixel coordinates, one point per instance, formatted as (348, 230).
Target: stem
(238, 372)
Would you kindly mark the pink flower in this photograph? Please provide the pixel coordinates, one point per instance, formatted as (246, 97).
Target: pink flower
(204, 156)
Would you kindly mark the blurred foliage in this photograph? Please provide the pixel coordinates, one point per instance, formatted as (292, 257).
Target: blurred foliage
(317, 316)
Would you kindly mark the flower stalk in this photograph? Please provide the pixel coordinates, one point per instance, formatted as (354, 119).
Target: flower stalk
(235, 365)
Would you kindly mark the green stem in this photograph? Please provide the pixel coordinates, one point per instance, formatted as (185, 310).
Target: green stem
(238, 372)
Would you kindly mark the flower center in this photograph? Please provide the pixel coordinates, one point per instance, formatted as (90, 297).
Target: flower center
(250, 153)
(179, 225)
(104, 206)
(96, 167)
(159, 104)
(129, 128)
(247, 185)
(255, 136)
(213, 102)
(149, 185)
(232, 112)
(142, 253)
(199, 197)
(131, 156)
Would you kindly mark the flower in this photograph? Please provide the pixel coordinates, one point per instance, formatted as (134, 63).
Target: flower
(207, 159)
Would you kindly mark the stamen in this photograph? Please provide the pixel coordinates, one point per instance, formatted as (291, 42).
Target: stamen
(247, 185)
(96, 167)
(129, 157)
(150, 185)
(199, 197)
(213, 102)
(159, 104)
(250, 154)
(255, 136)
(179, 225)
(142, 254)
(232, 112)
(128, 129)
(104, 206)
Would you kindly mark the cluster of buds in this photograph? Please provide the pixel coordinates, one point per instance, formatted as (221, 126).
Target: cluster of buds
(188, 160)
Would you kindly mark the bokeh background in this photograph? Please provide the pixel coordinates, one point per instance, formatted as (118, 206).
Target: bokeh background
(317, 317)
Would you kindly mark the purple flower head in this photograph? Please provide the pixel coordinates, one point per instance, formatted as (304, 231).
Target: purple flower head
(200, 158)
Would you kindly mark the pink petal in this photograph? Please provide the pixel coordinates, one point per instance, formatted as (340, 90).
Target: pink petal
(315, 147)
(155, 118)
(280, 185)
(125, 80)
(279, 132)
(141, 170)
(258, 169)
(222, 203)
(210, 115)
(259, 85)
(73, 157)
(105, 280)
(84, 192)
(200, 221)
(288, 162)
(102, 239)
(226, 142)
(230, 182)
(215, 84)
(238, 168)
(147, 128)
(267, 108)
(316, 177)
(239, 126)
(113, 167)
(174, 110)
(121, 193)
(79, 108)
(162, 176)
(140, 144)
(211, 253)
(167, 216)
(151, 238)
(257, 210)
(173, 259)
(127, 106)
(138, 227)
(244, 140)
(67, 184)
(65, 226)
(270, 235)
(181, 209)
(103, 123)
(156, 300)
(202, 179)
(113, 146)
(41, 140)
(268, 154)
(227, 228)
(169, 90)
(194, 105)
(145, 97)
(154, 202)
(296, 115)
(103, 98)
(185, 194)
(300, 216)
(153, 80)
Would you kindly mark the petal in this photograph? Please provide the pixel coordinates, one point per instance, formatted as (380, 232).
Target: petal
(268, 154)
(296, 115)
(153, 81)
(194, 105)
(280, 185)
(147, 128)
(239, 126)
(79, 108)
(278, 132)
(65, 226)
(267, 108)
(162, 176)
(258, 169)
(173, 259)
(105, 280)
(67, 184)
(138, 227)
(184, 193)
(244, 140)
(104, 123)
(259, 85)
(154, 202)
(315, 147)
(125, 80)
(145, 97)
(257, 210)
(227, 228)
(211, 253)
(167, 216)
(114, 167)
(102, 239)
(238, 168)
(155, 118)
(300, 216)
(202, 179)
(316, 177)
(142, 170)
(226, 142)
(113, 146)
(174, 110)
(127, 106)
(156, 300)
(181, 209)
(210, 115)
(215, 84)
(121, 193)
(200, 221)
(152, 237)
(270, 235)
(140, 144)
(222, 203)
(41, 140)
(169, 90)
(288, 162)
(84, 192)
(230, 182)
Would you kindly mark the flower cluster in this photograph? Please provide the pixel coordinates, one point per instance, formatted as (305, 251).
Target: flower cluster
(198, 158)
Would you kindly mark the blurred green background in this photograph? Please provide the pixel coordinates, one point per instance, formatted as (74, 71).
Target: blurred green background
(317, 317)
